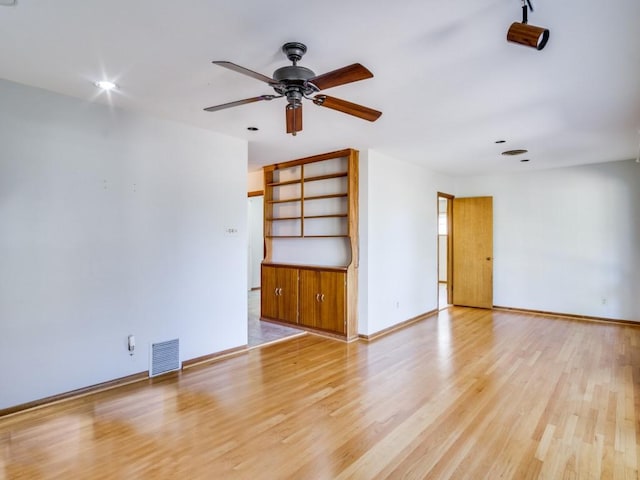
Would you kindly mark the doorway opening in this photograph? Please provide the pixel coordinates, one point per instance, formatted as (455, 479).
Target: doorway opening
(259, 332)
(445, 283)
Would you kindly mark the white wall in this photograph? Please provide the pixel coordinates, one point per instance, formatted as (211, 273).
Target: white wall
(398, 230)
(256, 240)
(566, 240)
(255, 181)
(112, 224)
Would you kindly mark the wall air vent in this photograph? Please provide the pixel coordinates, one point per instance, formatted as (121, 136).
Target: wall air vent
(165, 357)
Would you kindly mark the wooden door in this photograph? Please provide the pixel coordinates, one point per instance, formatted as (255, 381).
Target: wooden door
(473, 252)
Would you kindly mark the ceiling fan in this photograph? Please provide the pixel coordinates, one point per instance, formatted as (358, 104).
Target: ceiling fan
(295, 83)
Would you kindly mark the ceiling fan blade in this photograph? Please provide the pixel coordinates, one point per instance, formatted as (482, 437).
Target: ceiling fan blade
(294, 118)
(343, 106)
(341, 76)
(240, 102)
(245, 71)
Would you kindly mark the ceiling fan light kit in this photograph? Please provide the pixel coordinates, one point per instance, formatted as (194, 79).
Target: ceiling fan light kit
(525, 34)
(296, 83)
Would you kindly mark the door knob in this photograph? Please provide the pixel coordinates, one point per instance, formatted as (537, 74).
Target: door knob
(488, 258)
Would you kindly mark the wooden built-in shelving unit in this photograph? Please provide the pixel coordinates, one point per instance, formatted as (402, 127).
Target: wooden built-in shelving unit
(312, 200)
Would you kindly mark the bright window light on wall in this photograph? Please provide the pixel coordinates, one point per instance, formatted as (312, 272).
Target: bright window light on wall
(442, 223)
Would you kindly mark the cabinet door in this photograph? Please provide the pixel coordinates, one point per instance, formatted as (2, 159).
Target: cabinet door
(332, 301)
(322, 300)
(279, 293)
(309, 298)
(268, 293)
(287, 298)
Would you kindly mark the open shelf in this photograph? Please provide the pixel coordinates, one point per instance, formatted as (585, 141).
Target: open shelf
(337, 215)
(325, 236)
(288, 182)
(326, 177)
(286, 200)
(321, 197)
(277, 219)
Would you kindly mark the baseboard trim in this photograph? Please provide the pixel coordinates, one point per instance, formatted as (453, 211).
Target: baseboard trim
(398, 326)
(214, 357)
(568, 315)
(121, 382)
(313, 331)
(80, 392)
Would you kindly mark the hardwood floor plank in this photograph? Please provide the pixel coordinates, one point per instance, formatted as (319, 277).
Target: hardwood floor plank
(468, 393)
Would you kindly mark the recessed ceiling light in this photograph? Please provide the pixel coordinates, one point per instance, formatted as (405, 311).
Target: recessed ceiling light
(514, 152)
(252, 129)
(106, 85)
(500, 141)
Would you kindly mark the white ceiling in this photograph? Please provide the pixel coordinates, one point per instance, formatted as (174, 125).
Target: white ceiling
(447, 81)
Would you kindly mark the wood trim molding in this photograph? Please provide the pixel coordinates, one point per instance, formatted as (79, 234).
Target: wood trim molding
(214, 357)
(313, 331)
(569, 315)
(315, 158)
(317, 268)
(255, 193)
(80, 392)
(398, 326)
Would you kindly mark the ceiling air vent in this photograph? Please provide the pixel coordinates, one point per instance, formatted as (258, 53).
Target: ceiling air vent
(514, 152)
(165, 357)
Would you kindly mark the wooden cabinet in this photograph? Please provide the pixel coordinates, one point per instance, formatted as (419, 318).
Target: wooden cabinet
(308, 296)
(280, 293)
(311, 231)
(323, 300)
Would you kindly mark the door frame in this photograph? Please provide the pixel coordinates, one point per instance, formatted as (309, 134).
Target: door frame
(250, 269)
(449, 199)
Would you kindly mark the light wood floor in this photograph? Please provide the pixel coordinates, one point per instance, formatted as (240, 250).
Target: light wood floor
(261, 332)
(468, 394)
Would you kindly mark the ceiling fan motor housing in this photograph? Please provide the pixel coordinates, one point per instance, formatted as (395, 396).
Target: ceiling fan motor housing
(292, 83)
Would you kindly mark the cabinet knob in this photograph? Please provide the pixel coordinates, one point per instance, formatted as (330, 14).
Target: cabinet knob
(322, 297)
(317, 297)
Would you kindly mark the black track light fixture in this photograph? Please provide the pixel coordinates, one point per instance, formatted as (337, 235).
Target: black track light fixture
(525, 34)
